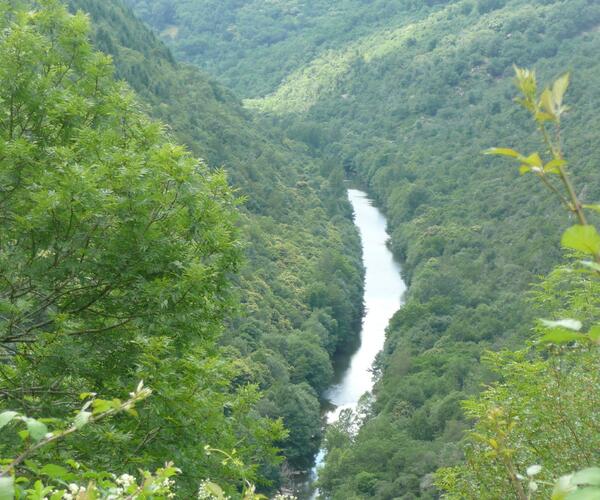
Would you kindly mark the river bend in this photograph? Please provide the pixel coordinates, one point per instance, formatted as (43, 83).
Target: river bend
(384, 290)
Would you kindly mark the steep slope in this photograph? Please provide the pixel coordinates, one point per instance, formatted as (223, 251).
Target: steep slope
(407, 105)
(116, 259)
(300, 288)
(253, 45)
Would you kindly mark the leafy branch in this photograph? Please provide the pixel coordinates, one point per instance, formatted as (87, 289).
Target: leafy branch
(547, 109)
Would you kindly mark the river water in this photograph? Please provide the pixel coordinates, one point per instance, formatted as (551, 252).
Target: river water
(384, 290)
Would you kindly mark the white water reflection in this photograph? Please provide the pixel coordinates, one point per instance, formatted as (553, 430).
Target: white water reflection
(384, 289)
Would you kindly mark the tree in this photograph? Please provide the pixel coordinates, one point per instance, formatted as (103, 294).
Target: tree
(116, 253)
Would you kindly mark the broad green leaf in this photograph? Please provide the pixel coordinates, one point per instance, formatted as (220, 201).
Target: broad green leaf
(553, 166)
(526, 82)
(54, 471)
(32, 466)
(589, 476)
(37, 430)
(7, 488)
(584, 494)
(524, 169)
(6, 417)
(82, 419)
(560, 88)
(542, 117)
(583, 238)
(594, 334)
(215, 490)
(547, 103)
(562, 337)
(101, 405)
(533, 160)
(503, 152)
(570, 324)
(133, 412)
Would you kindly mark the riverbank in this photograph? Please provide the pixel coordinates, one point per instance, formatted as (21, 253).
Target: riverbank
(384, 289)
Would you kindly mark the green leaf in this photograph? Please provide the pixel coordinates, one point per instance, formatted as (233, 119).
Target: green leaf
(595, 208)
(589, 476)
(215, 490)
(533, 160)
(562, 337)
(547, 103)
(54, 471)
(503, 152)
(594, 334)
(82, 419)
(524, 169)
(7, 488)
(101, 405)
(560, 88)
(570, 324)
(583, 238)
(6, 417)
(542, 117)
(37, 430)
(553, 166)
(584, 494)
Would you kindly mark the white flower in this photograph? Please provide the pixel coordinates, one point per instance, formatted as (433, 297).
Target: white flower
(125, 480)
(533, 470)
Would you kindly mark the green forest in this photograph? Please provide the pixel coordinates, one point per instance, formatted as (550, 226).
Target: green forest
(181, 273)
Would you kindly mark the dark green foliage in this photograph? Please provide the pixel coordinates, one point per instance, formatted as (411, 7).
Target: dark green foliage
(165, 312)
(294, 225)
(116, 255)
(252, 46)
(406, 96)
(300, 410)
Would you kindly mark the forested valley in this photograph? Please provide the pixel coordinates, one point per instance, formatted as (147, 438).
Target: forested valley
(180, 270)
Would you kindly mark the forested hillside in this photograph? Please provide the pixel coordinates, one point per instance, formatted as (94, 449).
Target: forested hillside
(230, 313)
(296, 224)
(406, 96)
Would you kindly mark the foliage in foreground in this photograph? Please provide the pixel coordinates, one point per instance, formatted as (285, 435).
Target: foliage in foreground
(541, 420)
(116, 257)
(75, 481)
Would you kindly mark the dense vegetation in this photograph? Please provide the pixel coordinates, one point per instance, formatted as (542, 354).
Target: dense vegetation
(295, 224)
(124, 258)
(116, 254)
(542, 411)
(405, 96)
(254, 45)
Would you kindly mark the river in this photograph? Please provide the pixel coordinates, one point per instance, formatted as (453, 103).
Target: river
(384, 290)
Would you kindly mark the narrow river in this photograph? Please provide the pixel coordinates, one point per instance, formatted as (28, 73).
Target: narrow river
(384, 289)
